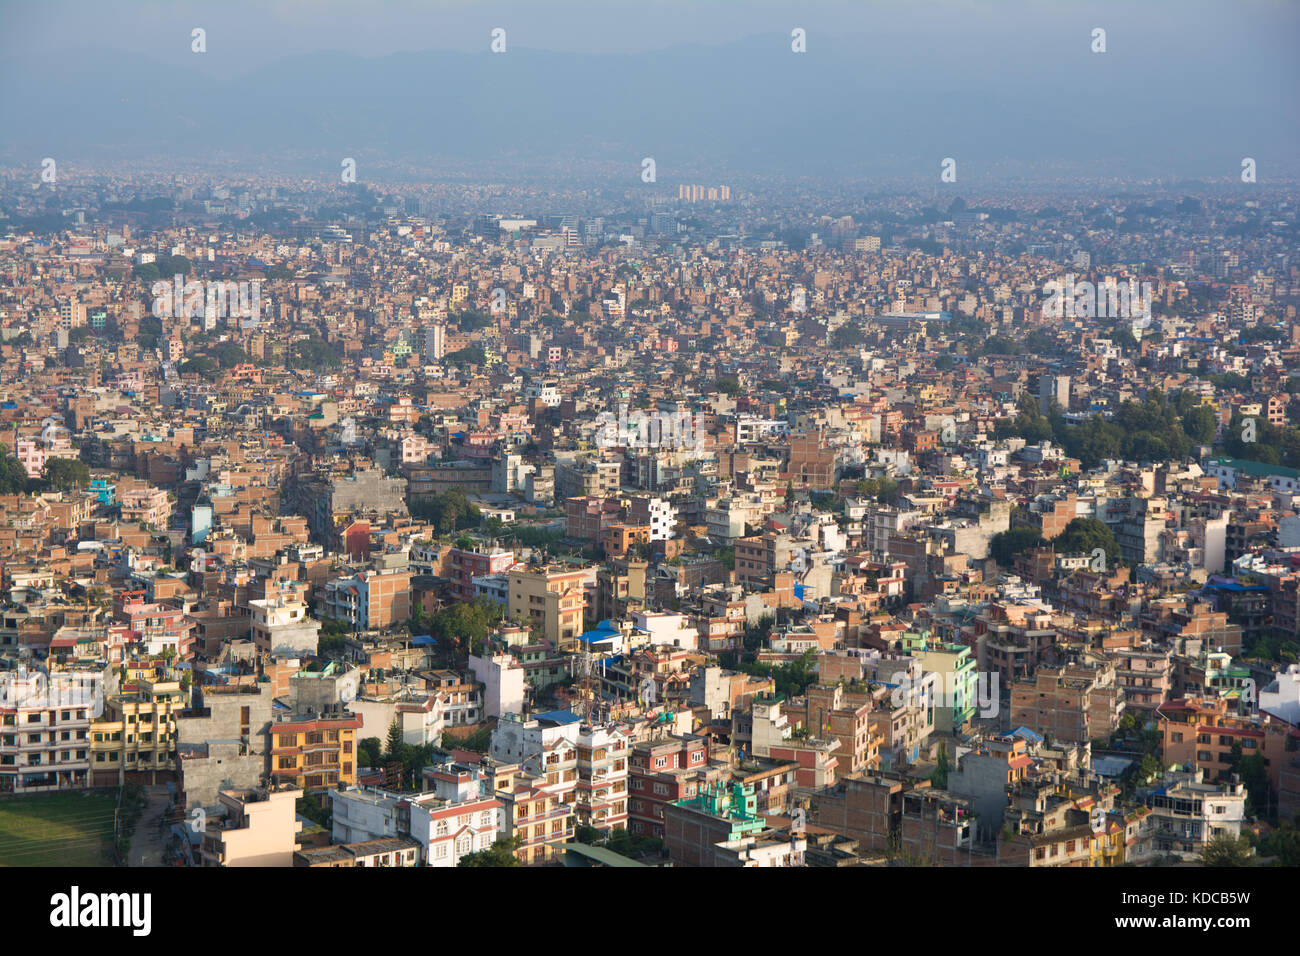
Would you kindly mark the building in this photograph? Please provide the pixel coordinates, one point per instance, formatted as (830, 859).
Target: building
(481, 561)
(45, 721)
(1074, 703)
(315, 751)
(135, 739)
(718, 813)
(540, 821)
(223, 741)
(551, 599)
(662, 772)
(502, 678)
(260, 828)
(1188, 812)
(371, 599)
(602, 778)
(281, 626)
(447, 830)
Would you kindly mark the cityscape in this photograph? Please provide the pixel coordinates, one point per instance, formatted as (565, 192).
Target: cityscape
(643, 509)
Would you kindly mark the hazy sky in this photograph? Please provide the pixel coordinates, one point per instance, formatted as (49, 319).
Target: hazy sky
(244, 33)
(1185, 87)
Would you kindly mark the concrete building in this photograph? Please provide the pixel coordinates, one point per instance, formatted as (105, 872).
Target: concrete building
(447, 830)
(223, 741)
(502, 678)
(45, 725)
(552, 599)
(1189, 812)
(281, 626)
(316, 750)
(260, 828)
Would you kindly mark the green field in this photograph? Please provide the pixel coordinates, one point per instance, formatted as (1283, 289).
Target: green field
(61, 829)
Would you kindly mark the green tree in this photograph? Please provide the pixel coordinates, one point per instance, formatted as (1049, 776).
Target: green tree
(13, 476)
(1225, 850)
(501, 853)
(1006, 545)
(940, 776)
(369, 752)
(393, 748)
(62, 474)
(1086, 535)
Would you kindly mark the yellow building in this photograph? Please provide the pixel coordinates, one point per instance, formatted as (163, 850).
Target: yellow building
(315, 751)
(542, 822)
(137, 733)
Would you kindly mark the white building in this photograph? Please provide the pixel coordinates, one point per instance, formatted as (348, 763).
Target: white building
(363, 814)
(447, 831)
(45, 728)
(1281, 698)
(666, 628)
(282, 627)
(502, 678)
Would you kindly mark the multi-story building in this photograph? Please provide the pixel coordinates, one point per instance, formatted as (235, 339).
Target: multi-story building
(551, 599)
(956, 683)
(1144, 674)
(1188, 812)
(260, 828)
(376, 598)
(316, 751)
(662, 772)
(587, 478)
(545, 746)
(1074, 703)
(447, 830)
(465, 565)
(1203, 734)
(538, 819)
(282, 627)
(844, 713)
(45, 721)
(135, 739)
(602, 778)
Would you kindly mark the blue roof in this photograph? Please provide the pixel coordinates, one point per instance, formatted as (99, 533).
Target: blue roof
(1234, 586)
(1026, 734)
(559, 717)
(423, 640)
(602, 632)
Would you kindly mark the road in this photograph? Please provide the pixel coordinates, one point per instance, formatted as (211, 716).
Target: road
(149, 838)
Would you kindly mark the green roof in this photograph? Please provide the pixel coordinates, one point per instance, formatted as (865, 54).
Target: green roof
(1258, 469)
(601, 855)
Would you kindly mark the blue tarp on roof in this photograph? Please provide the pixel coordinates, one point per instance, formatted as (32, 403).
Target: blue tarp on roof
(423, 640)
(1024, 733)
(602, 632)
(559, 717)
